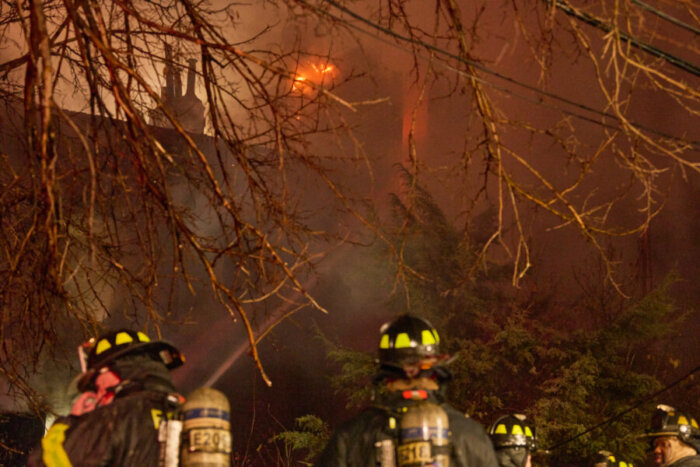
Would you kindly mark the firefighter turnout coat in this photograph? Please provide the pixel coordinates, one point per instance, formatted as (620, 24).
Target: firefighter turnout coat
(123, 433)
(354, 442)
(690, 461)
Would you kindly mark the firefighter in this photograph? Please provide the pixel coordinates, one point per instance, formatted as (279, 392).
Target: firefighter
(126, 392)
(674, 438)
(409, 422)
(514, 439)
(608, 459)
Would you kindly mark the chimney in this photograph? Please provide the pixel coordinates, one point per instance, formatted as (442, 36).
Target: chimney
(191, 77)
(177, 78)
(169, 84)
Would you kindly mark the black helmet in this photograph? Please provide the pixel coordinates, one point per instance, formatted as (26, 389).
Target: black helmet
(408, 339)
(608, 459)
(100, 352)
(667, 421)
(513, 430)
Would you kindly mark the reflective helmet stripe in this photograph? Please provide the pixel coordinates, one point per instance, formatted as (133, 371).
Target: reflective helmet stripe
(143, 337)
(517, 430)
(102, 346)
(501, 430)
(384, 343)
(402, 341)
(427, 337)
(123, 338)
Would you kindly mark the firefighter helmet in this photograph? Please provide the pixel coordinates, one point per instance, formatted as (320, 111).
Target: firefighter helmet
(608, 459)
(99, 352)
(408, 339)
(513, 430)
(667, 421)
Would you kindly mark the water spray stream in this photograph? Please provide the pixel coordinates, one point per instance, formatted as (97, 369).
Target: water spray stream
(278, 314)
(226, 365)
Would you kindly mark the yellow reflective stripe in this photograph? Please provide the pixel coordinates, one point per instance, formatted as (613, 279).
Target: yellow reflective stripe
(517, 430)
(102, 346)
(694, 423)
(612, 458)
(682, 420)
(427, 337)
(501, 430)
(123, 338)
(143, 337)
(528, 432)
(52, 445)
(623, 464)
(402, 341)
(384, 343)
(157, 416)
(437, 336)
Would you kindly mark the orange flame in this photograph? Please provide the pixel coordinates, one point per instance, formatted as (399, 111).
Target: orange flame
(318, 74)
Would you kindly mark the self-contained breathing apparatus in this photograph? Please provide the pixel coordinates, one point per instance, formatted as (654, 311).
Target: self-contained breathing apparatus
(194, 434)
(200, 436)
(416, 435)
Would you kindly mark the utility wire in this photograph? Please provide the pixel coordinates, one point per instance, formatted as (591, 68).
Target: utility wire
(481, 67)
(626, 411)
(593, 21)
(510, 92)
(665, 16)
(547, 94)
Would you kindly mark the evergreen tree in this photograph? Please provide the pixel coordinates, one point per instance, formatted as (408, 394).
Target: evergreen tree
(568, 373)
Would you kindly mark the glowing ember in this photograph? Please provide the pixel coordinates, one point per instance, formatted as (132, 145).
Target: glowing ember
(322, 70)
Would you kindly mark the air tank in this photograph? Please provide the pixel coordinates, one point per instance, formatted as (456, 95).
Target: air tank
(424, 436)
(206, 439)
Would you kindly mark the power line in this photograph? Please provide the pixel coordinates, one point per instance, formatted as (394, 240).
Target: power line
(626, 411)
(480, 67)
(665, 16)
(650, 49)
(486, 70)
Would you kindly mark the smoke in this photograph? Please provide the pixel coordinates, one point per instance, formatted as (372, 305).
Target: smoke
(454, 169)
(443, 117)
